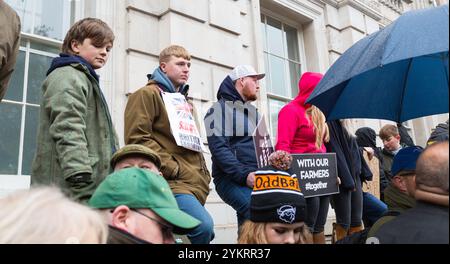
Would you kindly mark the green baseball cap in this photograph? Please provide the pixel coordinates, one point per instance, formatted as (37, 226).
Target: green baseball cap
(137, 189)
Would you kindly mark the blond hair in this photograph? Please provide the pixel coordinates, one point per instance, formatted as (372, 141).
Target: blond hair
(254, 233)
(173, 50)
(320, 127)
(43, 215)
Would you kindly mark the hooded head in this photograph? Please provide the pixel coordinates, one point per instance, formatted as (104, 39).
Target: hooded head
(228, 92)
(306, 85)
(366, 137)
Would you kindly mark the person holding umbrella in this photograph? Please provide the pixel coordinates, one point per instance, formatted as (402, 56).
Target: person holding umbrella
(302, 129)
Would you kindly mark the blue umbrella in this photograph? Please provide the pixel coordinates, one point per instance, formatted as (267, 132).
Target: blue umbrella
(398, 73)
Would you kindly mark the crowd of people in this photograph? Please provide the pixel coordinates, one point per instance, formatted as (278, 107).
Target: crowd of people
(153, 190)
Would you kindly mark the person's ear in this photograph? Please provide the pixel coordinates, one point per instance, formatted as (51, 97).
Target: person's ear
(163, 67)
(400, 183)
(240, 81)
(75, 46)
(121, 217)
(396, 180)
(397, 137)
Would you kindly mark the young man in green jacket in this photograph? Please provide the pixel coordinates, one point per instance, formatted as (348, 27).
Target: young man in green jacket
(76, 138)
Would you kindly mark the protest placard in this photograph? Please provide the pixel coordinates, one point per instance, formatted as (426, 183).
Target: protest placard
(317, 173)
(182, 122)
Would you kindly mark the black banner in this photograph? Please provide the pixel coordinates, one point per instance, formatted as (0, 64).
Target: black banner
(317, 173)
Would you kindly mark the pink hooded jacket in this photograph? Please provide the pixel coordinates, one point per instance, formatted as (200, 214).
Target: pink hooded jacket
(295, 131)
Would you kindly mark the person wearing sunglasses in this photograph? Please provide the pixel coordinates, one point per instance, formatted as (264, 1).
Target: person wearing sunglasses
(140, 208)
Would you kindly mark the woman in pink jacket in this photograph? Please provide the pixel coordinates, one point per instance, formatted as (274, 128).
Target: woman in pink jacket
(302, 129)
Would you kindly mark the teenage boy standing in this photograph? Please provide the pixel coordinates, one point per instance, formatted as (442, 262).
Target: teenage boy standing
(76, 137)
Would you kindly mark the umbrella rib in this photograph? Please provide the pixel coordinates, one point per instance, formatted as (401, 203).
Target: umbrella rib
(403, 91)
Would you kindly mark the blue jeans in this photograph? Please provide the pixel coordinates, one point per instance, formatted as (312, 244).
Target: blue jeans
(236, 196)
(204, 233)
(373, 209)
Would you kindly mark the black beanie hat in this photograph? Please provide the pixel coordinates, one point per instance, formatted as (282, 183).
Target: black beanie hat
(276, 196)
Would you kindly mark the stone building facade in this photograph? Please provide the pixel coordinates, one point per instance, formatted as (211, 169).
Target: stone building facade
(280, 37)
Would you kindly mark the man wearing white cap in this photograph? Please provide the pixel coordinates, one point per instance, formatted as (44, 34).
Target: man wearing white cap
(246, 80)
(230, 123)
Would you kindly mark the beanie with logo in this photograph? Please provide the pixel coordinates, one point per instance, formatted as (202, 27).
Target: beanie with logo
(276, 195)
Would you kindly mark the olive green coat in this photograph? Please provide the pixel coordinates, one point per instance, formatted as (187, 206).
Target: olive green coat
(75, 132)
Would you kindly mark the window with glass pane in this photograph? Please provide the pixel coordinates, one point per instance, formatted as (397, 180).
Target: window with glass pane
(283, 68)
(282, 57)
(274, 108)
(47, 18)
(9, 137)
(20, 107)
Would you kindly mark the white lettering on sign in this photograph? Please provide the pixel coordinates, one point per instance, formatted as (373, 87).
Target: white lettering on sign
(313, 174)
(308, 163)
(316, 186)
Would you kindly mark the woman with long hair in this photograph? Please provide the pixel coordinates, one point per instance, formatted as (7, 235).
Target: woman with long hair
(302, 129)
